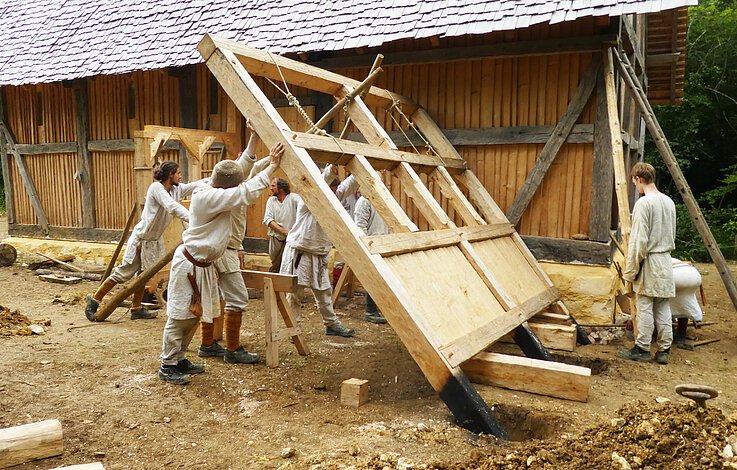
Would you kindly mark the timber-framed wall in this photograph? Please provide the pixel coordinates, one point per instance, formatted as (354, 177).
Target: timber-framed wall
(497, 96)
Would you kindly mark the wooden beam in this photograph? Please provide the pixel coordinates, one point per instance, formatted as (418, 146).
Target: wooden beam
(429, 128)
(452, 54)
(562, 250)
(416, 190)
(552, 147)
(27, 442)
(113, 145)
(265, 64)
(464, 347)
(600, 219)
(478, 194)
(621, 179)
(399, 243)
(455, 197)
(65, 233)
(46, 149)
(553, 379)
(373, 189)
(347, 98)
(20, 162)
(559, 337)
(631, 35)
(375, 274)
(5, 166)
(84, 160)
(279, 282)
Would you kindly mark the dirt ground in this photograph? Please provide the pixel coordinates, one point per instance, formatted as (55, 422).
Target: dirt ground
(100, 381)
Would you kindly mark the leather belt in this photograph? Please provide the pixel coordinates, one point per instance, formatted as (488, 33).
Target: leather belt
(191, 259)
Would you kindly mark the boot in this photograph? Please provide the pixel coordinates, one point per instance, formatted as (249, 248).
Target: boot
(374, 317)
(185, 366)
(141, 313)
(241, 356)
(170, 373)
(661, 357)
(339, 329)
(91, 309)
(635, 354)
(213, 350)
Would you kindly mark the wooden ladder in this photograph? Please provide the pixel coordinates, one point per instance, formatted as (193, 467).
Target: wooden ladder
(633, 83)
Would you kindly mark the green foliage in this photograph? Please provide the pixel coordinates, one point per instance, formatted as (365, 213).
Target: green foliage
(723, 223)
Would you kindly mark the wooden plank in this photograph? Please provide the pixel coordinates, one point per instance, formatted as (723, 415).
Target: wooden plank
(111, 145)
(84, 159)
(429, 128)
(33, 441)
(553, 336)
(528, 48)
(621, 178)
(553, 379)
(552, 147)
(478, 194)
(455, 197)
(288, 316)
(280, 282)
(20, 163)
(394, 244)
(479, 265)
(264, 64)
(551, 317)
(65, 233)
(271, 322)
(600, 220)
(397, 305)
(416, 190)
(467, 346)
(563, 250)
(5, 167)
(45, 149)
(373, 189)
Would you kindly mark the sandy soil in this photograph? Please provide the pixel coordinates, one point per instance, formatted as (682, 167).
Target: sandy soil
(100, 381)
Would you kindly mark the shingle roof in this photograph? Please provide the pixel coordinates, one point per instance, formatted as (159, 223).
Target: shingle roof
(52, 40)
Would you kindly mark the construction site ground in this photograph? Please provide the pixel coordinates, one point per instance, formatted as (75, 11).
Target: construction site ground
(100, 381)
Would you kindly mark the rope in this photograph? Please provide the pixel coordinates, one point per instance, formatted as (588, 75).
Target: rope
(396, 104)
(292, 100)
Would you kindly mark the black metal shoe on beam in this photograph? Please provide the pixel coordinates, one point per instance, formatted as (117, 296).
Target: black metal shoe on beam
(530, 344)
(469, 409)
(582, 336)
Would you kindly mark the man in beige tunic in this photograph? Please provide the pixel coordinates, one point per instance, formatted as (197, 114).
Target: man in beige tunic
(649, 266)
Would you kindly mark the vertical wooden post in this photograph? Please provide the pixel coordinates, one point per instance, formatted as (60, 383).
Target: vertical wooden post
(84, 160)
(601, 189)
(271, 318)
(5, 162)
(188, 116)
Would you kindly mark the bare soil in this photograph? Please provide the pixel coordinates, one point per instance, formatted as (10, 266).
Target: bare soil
(100, 380)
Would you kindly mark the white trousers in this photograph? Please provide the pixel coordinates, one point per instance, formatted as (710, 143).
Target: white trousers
(653, 313)
(324, 304)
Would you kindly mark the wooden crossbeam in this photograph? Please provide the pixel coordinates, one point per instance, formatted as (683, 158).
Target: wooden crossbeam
(455, 197)
(399, 243)
(553, 379)
(264, 64)
(280, 282)
(363, 86)
(552, 147)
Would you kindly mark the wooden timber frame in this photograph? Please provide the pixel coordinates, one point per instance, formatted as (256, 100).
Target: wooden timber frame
(449, 292)
(196, 143)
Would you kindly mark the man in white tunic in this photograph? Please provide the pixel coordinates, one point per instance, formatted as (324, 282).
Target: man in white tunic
(280, 214)
(146, 242)
(306, 256)
(193, 285)
(370, 223)
(649, 266)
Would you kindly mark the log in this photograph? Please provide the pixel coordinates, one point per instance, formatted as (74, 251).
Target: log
(548, 378)
(62, 263)
(133, 285)
(123, 238)
(47, 263)
(60, 279)
(8, 254)
(86, 276)
(82, 466)
(21, 444)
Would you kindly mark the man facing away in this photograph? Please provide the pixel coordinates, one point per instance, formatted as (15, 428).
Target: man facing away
(280, 214)
(145, 245)
(370, 223)
(193, 283)
(649, 267)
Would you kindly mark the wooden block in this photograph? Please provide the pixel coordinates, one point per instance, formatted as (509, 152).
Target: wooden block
(560, 337)
(55, 278)
(553, 379)
(82, 466)
(354, 392)
(550, 317)
(33, 441)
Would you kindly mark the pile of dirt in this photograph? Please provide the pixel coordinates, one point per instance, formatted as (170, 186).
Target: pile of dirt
(642, 436)
(15, 323)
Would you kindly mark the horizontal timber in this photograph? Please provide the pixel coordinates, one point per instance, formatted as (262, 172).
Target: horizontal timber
(464, 347)
(399, 243)
(561, 250)
(280, 282)
(552, 336)
(65, 233)
(339, 151)
(454, 54)
(41, 149)
(548, 378)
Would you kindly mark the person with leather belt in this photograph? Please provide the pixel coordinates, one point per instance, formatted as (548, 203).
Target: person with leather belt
(193, 285)
(649, 266)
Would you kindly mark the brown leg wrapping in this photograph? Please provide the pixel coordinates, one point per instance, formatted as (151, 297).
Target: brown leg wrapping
(233, 321)
(138, 297)
(218, 322)
(104, 288)
(207, 331)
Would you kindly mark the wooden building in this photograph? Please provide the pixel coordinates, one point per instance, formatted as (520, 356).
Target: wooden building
(79, 78)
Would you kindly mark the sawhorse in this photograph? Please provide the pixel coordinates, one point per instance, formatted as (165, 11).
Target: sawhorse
(347, 280)
(276, 287)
